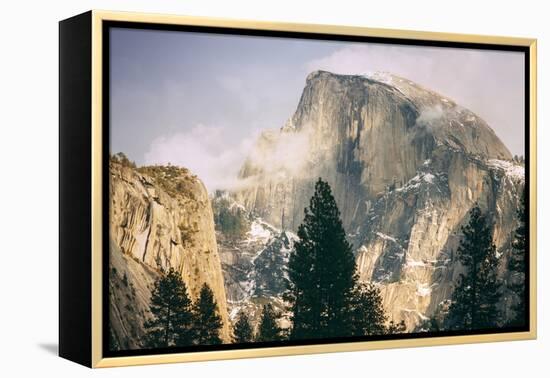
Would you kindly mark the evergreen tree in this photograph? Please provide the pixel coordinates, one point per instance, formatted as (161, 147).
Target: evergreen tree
(121, 158)
(269, 329)
(517, 267)
(395, 328)
(368, 317)
(170, 306)
(321, 271)
(474, 300)
(429, 325)
(243, 332)
(231, 220)
(207, 319)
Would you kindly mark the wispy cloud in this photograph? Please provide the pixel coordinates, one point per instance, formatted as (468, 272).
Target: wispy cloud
(429, 115)
(205, 151)
(281, 154)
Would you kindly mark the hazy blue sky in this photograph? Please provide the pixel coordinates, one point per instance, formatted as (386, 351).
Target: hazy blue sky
(199, 100)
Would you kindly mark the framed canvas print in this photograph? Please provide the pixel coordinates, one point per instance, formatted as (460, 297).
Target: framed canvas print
(237, 189)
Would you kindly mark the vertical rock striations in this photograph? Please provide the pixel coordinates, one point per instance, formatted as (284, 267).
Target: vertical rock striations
(160, 218)
(405, 165)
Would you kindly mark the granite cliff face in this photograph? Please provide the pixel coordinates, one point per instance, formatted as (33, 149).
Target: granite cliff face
(363, 134)
(160, 218)
(405, 164)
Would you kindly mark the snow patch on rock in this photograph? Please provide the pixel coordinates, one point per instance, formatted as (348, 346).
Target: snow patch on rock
(509, 168)
(423, 290)
(259, 230)
(385, 237)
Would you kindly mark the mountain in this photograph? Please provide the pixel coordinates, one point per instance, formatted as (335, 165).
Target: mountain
(160, 218)
(405, 165)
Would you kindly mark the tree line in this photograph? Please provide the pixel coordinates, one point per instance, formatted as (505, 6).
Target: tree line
(325, 298)
(176, 320)
(476, 300)
(268, 328)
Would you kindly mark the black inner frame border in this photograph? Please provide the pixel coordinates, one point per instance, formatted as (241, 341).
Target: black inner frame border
(108, 25)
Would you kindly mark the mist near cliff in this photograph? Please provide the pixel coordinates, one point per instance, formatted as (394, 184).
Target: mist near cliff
(164, 84)
(204, 150)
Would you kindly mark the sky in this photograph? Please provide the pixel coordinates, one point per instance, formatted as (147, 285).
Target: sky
(200, 100)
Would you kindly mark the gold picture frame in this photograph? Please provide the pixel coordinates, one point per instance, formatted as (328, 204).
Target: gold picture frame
(90, 27)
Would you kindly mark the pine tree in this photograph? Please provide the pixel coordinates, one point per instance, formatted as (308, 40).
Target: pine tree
(368, 317)
(231, 220)
(394, 328)
(517, 267)
(269, 329)
(113, 341)
(170, 306)
(208, 322)
(429, 325)
(474, 300)
(243, 332)
(321, 271)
